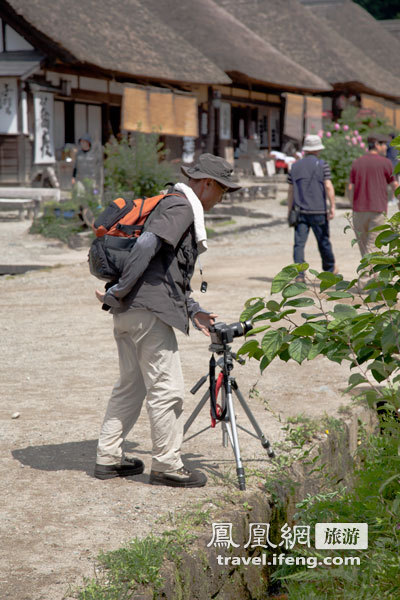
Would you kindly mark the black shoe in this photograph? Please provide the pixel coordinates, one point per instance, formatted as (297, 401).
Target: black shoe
(180, 478)
(131, 466)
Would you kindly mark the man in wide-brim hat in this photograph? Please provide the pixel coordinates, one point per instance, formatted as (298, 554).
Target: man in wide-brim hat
(151, 298)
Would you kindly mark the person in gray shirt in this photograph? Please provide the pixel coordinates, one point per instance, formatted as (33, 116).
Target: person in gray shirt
(312, 193)
(151, 298)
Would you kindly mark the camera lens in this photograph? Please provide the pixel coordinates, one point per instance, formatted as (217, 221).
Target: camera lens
(238, 329)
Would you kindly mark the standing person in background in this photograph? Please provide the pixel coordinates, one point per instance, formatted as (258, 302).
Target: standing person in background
(391, 154)
(310, 186)
(369, 178)
(87, 169)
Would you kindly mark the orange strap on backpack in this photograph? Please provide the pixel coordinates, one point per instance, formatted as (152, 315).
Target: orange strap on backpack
(132, 216)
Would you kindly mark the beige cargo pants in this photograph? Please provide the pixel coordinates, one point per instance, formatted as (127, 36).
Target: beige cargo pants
(150, 368)
(363, 222)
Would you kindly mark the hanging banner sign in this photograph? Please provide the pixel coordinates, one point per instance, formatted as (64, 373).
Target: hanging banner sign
(8, 105)
(373, 104)
(44, 123)
(294, 116)
(159, 110)
(313, 114)
(225, 121)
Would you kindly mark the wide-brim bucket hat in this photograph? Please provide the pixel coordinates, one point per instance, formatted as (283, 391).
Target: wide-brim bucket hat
(210, 166)
(312, 143)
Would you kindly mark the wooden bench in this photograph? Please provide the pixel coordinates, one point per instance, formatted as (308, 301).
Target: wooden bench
(26, 200)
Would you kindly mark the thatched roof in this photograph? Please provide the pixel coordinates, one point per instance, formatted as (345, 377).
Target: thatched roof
(392, 26)
(297, 32)
(357, 25)
(237, 50)
(120, 36)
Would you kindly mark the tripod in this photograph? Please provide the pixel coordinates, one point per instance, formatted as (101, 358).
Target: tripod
(225, 413)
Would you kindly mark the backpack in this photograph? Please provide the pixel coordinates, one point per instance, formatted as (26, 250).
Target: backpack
(117, 229)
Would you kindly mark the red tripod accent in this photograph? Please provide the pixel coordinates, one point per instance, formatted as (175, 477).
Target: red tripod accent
(218, 408)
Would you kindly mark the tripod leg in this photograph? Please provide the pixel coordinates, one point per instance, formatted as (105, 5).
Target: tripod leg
(196, 411)
(264, 442)
(234, 439)
(226, 434)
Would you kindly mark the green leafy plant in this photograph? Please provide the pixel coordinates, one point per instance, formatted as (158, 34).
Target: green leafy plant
(136, 164)
(374, 499)
(341, 323)
(136, 564)
(86, 194)
(346, 140)
(59, 221)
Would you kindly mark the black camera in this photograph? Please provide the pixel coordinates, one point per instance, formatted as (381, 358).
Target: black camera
(221, 333)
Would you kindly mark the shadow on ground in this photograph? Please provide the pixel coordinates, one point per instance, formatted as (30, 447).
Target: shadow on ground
(72, 456)
(80, 456)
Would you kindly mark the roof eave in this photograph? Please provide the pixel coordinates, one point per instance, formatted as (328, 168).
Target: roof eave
(359, 87)
(113, 74)
(312, 89)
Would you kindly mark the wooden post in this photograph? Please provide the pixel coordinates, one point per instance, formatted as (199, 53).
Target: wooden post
(269, 129)
(211, 122)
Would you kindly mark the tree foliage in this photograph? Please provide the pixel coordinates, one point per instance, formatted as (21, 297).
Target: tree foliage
(135, 164)
(381, 9)
(344, 320)
(346, 140)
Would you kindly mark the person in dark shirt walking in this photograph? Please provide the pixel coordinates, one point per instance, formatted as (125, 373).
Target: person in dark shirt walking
(310, 187)
(369, 178)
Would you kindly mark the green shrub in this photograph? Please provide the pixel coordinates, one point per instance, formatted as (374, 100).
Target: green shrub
(345, 141)
(375, 500)
(136, 164)
(54, 224)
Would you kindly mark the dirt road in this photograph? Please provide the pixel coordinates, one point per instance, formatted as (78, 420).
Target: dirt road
(58, 366)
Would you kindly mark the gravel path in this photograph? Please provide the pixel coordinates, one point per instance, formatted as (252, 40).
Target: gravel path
(58, 367)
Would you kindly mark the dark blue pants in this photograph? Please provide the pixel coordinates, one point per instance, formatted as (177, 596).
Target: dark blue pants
(320, 226)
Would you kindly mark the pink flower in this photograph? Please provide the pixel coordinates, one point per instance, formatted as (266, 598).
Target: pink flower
(337, 126)
(346, 127)
(359, 138)
(328, 134)
(354, 140)
(355, 132)
(346, 137)
(320, 133)
(362, 145)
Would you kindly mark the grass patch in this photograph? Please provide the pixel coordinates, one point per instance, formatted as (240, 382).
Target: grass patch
(224, 223)
(56, 223)
(374, 499)
(301, 429)
(138, 563)
(215, 224)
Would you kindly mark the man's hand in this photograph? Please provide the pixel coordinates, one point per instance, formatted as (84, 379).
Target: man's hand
(331, 213)
(100, 296)
(204, 320)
